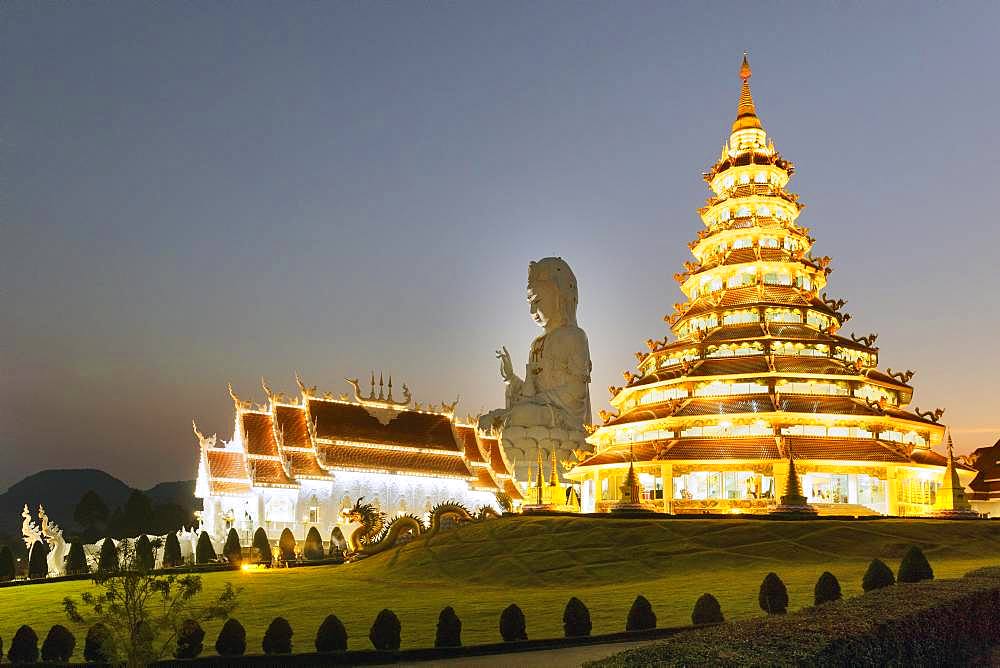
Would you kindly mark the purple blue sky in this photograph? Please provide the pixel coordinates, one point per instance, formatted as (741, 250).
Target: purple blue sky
(196, 193)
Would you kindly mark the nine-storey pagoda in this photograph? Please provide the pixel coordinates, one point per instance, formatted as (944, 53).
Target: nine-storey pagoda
(757, 372)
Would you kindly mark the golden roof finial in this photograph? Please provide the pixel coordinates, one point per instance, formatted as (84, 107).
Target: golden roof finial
(746, 112)
(745, 71)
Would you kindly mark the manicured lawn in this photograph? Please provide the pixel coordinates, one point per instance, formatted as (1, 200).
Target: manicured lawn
(539, 563)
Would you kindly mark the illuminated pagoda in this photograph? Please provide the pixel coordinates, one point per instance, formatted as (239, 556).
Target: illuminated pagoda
(298, 461)
(757, 369)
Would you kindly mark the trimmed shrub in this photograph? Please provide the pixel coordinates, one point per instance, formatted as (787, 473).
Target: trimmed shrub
(7, 569)
(512, 624)
(449, 629)
(172, 552)
(76, 560)
(189, 640)
(336, 541)
(144, 557)
(38, 565)
(108, 561)
(312, 549)
(877, 576)
(773, 596)
(708, 611)
(576, 619)
(232, 640)
(286, 546)
(232, 550)
(914, 567)
(385, 631)
(331, 635)
(58, 645)
(827, 589)
(278, 637)
(98, 646)
(262, 546)
(23, 646)
(204, 553)
(640, 615)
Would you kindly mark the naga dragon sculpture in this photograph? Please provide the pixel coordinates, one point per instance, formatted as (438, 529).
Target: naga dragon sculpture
(901, 376)
(933, 415)
(866, 341)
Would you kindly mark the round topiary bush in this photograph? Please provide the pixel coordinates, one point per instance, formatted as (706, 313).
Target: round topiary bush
(773, 595)
(278, 637)
(38, 565)
(204, 552)
(189, 640)
(914, 567)
(512, 624)
(286, 546)
(232, 640)
(708, 611)
(23, 646)
(827, 589)
(331, 636)
(312, 549)
(576, 619)
(877, 576)
(58, 645)
(172, 557)
(232, 550)
(7, 568)
(98, 646)
(144, 557)
(262, 546)
(449, 629)
(76, 560)
(640, 616)
(385, 631)
(108, 560)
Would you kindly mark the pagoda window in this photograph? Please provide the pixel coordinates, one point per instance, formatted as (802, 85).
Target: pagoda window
(803, 282)
(655, 435)
(913, 438)
(761, 177)
(763, 211)
(817, 320)
(768, 242)
(729, 181)
(743, 212)
(703, 322)
(852, 355)
(777, 278)
(743, 242)
(715, 285)
(790, 243)
(724, 215)
(744, 179)
(782, 315)
(663, 394)
(876, 393)
(812, 387)
(740, 317)
(718, 388)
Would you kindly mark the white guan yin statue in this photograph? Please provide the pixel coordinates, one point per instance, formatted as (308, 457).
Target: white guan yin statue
(545, 411)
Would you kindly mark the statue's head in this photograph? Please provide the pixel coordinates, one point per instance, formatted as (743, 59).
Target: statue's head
(552, 293)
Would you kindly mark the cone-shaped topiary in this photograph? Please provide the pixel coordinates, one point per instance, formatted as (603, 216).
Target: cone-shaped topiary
(312, 549)
(278, 637)
(286, 546)
(449, 629)
(23, 646)
(385, 631)
(98, 647)
(877, 576)
(204, 553)
(232, 640)
(512, 624)
(144, 557)
(38, 565)
(708, 611)
(232, 550)
(58, 645)
(336, 543)
(189, 640)
(172, 552)
(773, 596)
(914, 567)
(827, 589)
(640, 615)
(76, 560)
(262, 546)
(7, 569)
(108, 561)
(576, 619)
(331, 635)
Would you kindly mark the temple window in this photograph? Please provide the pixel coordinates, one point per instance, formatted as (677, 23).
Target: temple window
(852, 355)
(876, 393)
(715, 285)
(740, 317)
(777, 278)
(790, 243)
(782, 315)
(817, 320)
(763, 211)
(734, 350)
(812, 387)
(729, 181)
(768, 242)
(743, 242)
(684, 356)
(718, 388)
(663, 394)
(803, 282)
(724, 215)
(743, 212)
(654, 435)
(760, 177)
(744, 179)
(739, 280)
(729, 485)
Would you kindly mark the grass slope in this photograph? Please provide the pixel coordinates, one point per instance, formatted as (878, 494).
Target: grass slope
(539, 563)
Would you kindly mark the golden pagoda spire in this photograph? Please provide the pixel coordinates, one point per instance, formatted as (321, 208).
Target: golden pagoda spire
(746, 112)
(554, 478)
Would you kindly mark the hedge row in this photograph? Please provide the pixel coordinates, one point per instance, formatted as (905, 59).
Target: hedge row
(941, 622)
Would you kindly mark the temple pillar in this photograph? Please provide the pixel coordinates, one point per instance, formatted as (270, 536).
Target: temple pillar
(891, 503)
(597, 489)
(667, 473)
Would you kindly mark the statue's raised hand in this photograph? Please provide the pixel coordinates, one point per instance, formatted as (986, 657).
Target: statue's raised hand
(506, 368)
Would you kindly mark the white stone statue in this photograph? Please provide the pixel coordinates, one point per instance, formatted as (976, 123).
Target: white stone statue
(29, 530)
(57, 546)
(545, 411)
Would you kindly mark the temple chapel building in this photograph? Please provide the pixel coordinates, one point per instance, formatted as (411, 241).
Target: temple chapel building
(297, 462)
(757, 372)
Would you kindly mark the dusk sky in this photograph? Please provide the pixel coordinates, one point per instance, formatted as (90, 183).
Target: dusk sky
(199, 193)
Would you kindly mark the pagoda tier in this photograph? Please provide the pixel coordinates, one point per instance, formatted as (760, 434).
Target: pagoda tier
(756, 365)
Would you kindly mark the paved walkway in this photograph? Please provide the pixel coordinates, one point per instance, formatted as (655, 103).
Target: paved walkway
(568, 657)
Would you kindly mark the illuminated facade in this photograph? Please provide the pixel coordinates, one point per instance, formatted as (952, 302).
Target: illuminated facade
(298, 462)
(757, 369)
